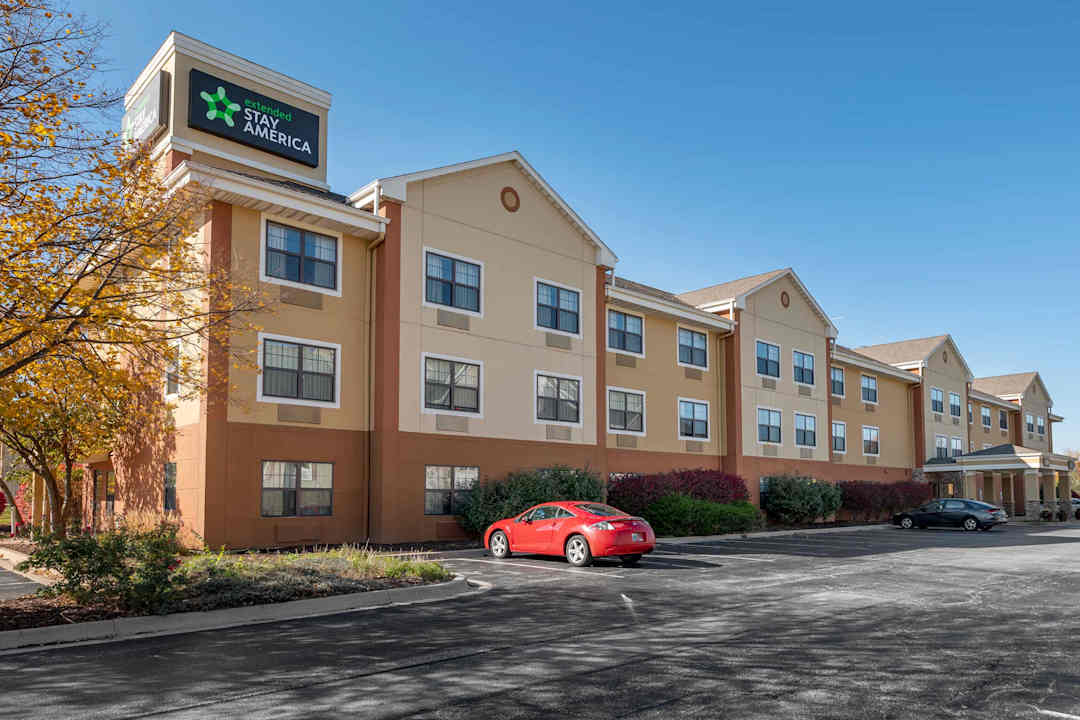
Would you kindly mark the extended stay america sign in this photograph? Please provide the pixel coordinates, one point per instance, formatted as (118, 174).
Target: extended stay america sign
(221, 108)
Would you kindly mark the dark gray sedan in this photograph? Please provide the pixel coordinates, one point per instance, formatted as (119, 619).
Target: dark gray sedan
(952, 512)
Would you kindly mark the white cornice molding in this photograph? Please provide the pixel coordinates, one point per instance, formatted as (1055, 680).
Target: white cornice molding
(658, 305)
(878, 367)
(989, 399)
(186, 146)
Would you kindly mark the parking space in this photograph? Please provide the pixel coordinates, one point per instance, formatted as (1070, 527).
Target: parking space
(13, 585)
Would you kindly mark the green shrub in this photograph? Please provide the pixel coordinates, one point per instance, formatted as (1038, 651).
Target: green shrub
(494, 500)
(795, 500)
(131, 569)
(678, 515)
(832, 498)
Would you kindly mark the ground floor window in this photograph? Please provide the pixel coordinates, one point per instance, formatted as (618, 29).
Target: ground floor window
(447, 488)
(110, 494)
(291, 489)
(170, 487)
(839, 437)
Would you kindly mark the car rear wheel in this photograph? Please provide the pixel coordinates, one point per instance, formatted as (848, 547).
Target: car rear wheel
(970, 524)
(630, 560)
(499, 544)
(907, 523)
(578, 553)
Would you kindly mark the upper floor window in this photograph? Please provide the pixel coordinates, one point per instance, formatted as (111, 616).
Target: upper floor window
(297, 488)
(451, 385)
(625, 331)
(558, 399)
(768, 425)
(172, 370)
(954, 404)
(170, 487)
(558, 308)
(1003, 419)
(447, 488)
(839, 437)
(693, 419)
(1041, 425)
(805, 430)
(970, 415)
(693, 348)
(937, 400)
(836, 377)
(1029, 420)
(804, 367)
(869, 389)
(768, 359)
(452, 281)
(985, 416)
(626, 411)
(870, 440)
(301, 256)
(957, 447)
(941, 446)
(299, 371)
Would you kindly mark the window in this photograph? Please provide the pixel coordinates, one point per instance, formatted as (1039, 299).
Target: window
(299, 371)
(291, 489)
(1041, 425)
(768, 425)
(692, 348)
(1030, 422)
(805, 430)
(869, 389)
(870, 445)
(452, 281)
(170, 487)
(937, 400)
(1003, 419)
(557, 308)
(970, 416)
(625, 332)
(447, 488)
(451, 385)
(957, 447)
(693, 419)
(768, 359)
(839, 437)
(558, 399)
(804, 367)
(172, 371)
(985, 412)
(836, 376)
(626, 411)
(301, 256)
(954, 404)
(941, 447)
(110, 493)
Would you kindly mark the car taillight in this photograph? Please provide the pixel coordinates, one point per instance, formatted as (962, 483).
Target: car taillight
(602, 525)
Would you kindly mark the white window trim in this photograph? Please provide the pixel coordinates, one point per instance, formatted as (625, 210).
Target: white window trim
(831, 436)
(793, 351)
(959, 405)
(617, 351)
(941, 437)
(450, 308)
(708, 419)
(843, 373)
(438, 411)
(862, 443)
(780, 359)
(178, 347)
(581, 399)
(943, 406)
(644, 411)
(956, 437)
(1040, 419)
(1006, 428)
(795, 430)
(877, 389)
(263, 277)
(1029, 419)
(971, 413)
(757, 435)
(708, 354)
(259, 397)
(536, 303)
(989, 416)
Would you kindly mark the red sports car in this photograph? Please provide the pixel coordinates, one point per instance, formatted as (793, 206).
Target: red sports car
(579, 531)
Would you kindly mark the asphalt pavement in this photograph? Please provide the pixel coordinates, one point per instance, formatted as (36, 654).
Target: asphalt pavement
(870, 624)
(13, 585)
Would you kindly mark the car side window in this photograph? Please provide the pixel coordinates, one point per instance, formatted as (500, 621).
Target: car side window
(562, 513)
(955, 505)
(527, 516)
(544, 513)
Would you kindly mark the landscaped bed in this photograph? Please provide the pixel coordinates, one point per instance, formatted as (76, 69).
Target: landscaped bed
(215, 581)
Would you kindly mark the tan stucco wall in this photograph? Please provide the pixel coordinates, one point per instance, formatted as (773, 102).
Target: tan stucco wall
(949, 376)
(796, 327)
(663, 381)
(462, 214)
(1036, 402)
(892, 416)
(994, 435)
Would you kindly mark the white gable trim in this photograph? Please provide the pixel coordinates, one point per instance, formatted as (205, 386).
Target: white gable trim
(740, 300)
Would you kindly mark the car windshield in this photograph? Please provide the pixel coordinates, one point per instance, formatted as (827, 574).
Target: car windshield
(598, 509)
(976, 504)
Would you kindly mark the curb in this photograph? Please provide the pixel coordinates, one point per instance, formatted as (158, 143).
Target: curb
(127, 628)
(772, 533)
(10, 558)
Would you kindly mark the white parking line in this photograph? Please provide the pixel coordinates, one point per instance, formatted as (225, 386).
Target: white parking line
(512, 564)
(12, 584)
(717, 555)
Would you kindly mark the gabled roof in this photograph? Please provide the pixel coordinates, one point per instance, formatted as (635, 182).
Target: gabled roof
(736, 291)
(638, 295)
(847, 355)
(910, 353)
(621, 282)
(395, 187)
(990, 399)
(1006, 449)
(1009, 386)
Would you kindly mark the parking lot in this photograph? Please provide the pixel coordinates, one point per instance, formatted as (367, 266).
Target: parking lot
(13, 585)
(867, 624)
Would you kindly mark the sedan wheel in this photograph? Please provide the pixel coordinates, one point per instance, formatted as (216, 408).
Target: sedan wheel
(500, 545)
(971, 524)
(907, 523)
(578, 552)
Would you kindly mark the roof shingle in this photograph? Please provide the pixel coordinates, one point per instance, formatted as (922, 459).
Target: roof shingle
(728, 290)
(998, 385)
(903, 351)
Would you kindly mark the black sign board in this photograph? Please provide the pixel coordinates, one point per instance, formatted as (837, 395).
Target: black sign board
(149, 114)
(221, 108)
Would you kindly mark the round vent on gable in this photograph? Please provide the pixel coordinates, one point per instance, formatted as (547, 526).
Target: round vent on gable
(510, 199)
(785, 300)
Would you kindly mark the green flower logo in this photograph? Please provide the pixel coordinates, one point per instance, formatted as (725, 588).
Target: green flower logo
(213, 111)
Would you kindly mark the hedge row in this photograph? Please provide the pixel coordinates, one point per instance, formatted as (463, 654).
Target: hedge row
(493, 500)
(796, 500)
(871, 500)
(681, 515)
(635, 493)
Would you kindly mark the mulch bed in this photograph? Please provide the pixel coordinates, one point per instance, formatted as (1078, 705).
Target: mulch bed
(17, 544)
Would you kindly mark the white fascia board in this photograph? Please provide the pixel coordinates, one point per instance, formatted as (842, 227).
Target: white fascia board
(882, 368)
(990, 399)
(651, 303)
(188, 147)
(830, 332)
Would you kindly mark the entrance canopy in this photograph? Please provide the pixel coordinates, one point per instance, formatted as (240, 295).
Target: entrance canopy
(1003, 458)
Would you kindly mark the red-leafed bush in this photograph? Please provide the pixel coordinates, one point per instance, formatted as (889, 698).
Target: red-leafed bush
(871, 500)
(634, 493)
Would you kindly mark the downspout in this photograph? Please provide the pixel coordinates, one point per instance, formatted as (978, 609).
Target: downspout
(371, 357)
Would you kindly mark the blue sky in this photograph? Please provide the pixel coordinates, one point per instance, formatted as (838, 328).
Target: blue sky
(918, 167)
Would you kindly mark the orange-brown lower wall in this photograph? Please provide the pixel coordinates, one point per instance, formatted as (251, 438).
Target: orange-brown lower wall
(643, 461)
